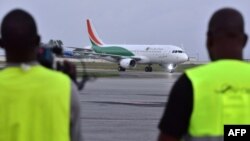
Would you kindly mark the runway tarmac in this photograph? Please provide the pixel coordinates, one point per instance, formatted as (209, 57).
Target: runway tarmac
(135, 73)
(141, 74)
(124, 109)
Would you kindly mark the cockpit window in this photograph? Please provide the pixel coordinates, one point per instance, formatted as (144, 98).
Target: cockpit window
(177, 51)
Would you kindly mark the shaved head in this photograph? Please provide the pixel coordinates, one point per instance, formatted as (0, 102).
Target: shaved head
(19, 36)
(18, 29)
(226, 36)
(226, 20)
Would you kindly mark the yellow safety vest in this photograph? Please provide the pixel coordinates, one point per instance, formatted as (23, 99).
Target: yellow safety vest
(221, 96)
(34, 105)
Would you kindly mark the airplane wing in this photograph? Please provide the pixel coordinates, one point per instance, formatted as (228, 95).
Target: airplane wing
(80, 49)
(117, 57)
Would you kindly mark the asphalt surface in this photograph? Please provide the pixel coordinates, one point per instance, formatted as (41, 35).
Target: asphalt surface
(127, 108)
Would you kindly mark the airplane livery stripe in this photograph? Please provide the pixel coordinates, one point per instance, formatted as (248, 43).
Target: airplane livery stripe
(114, 50)
(92, 35)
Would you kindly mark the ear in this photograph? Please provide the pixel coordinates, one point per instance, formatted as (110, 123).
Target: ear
(210, 46)
(36, 40)
(209, 41)
(245, 38)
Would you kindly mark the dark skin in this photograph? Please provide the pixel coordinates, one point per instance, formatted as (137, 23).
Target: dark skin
(20, 46)
(19, 56)
(218, 47)
(225, 40)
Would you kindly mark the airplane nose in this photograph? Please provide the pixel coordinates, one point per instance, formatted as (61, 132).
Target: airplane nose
(184, 58)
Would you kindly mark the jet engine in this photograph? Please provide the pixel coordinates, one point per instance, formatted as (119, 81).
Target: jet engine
(127, 63)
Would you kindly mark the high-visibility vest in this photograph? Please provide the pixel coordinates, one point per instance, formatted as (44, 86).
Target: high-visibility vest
(221, 95)
(34, 105)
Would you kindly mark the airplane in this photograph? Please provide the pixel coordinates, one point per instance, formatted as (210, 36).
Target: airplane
(128, 56)
(66, 51)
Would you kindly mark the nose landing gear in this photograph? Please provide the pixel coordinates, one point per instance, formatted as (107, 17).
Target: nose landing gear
(148, 69)
(171, 68)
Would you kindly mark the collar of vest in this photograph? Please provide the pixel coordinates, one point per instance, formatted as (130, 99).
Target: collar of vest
(25, 65)
(32, 63)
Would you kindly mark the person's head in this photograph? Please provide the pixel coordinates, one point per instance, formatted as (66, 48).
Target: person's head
(19, 37)
(226, 37)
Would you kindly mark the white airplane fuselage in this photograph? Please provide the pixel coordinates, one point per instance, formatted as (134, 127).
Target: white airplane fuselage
(154, 54)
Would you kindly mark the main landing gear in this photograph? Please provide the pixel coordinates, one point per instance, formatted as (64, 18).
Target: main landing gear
(121, 68)
(148, 68)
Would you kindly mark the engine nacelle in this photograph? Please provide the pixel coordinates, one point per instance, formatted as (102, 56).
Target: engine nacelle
(127, 63)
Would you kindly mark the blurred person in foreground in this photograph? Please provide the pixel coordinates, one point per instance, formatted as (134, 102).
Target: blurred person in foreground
(207, 97)
(36, 103)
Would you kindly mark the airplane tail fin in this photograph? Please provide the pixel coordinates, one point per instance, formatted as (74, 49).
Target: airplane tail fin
(93, 36)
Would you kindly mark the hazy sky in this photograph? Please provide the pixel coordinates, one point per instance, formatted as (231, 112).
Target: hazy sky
(128, 21)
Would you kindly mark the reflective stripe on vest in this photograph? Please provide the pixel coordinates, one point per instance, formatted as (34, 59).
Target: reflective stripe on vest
(221, 96)
(34, 105)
